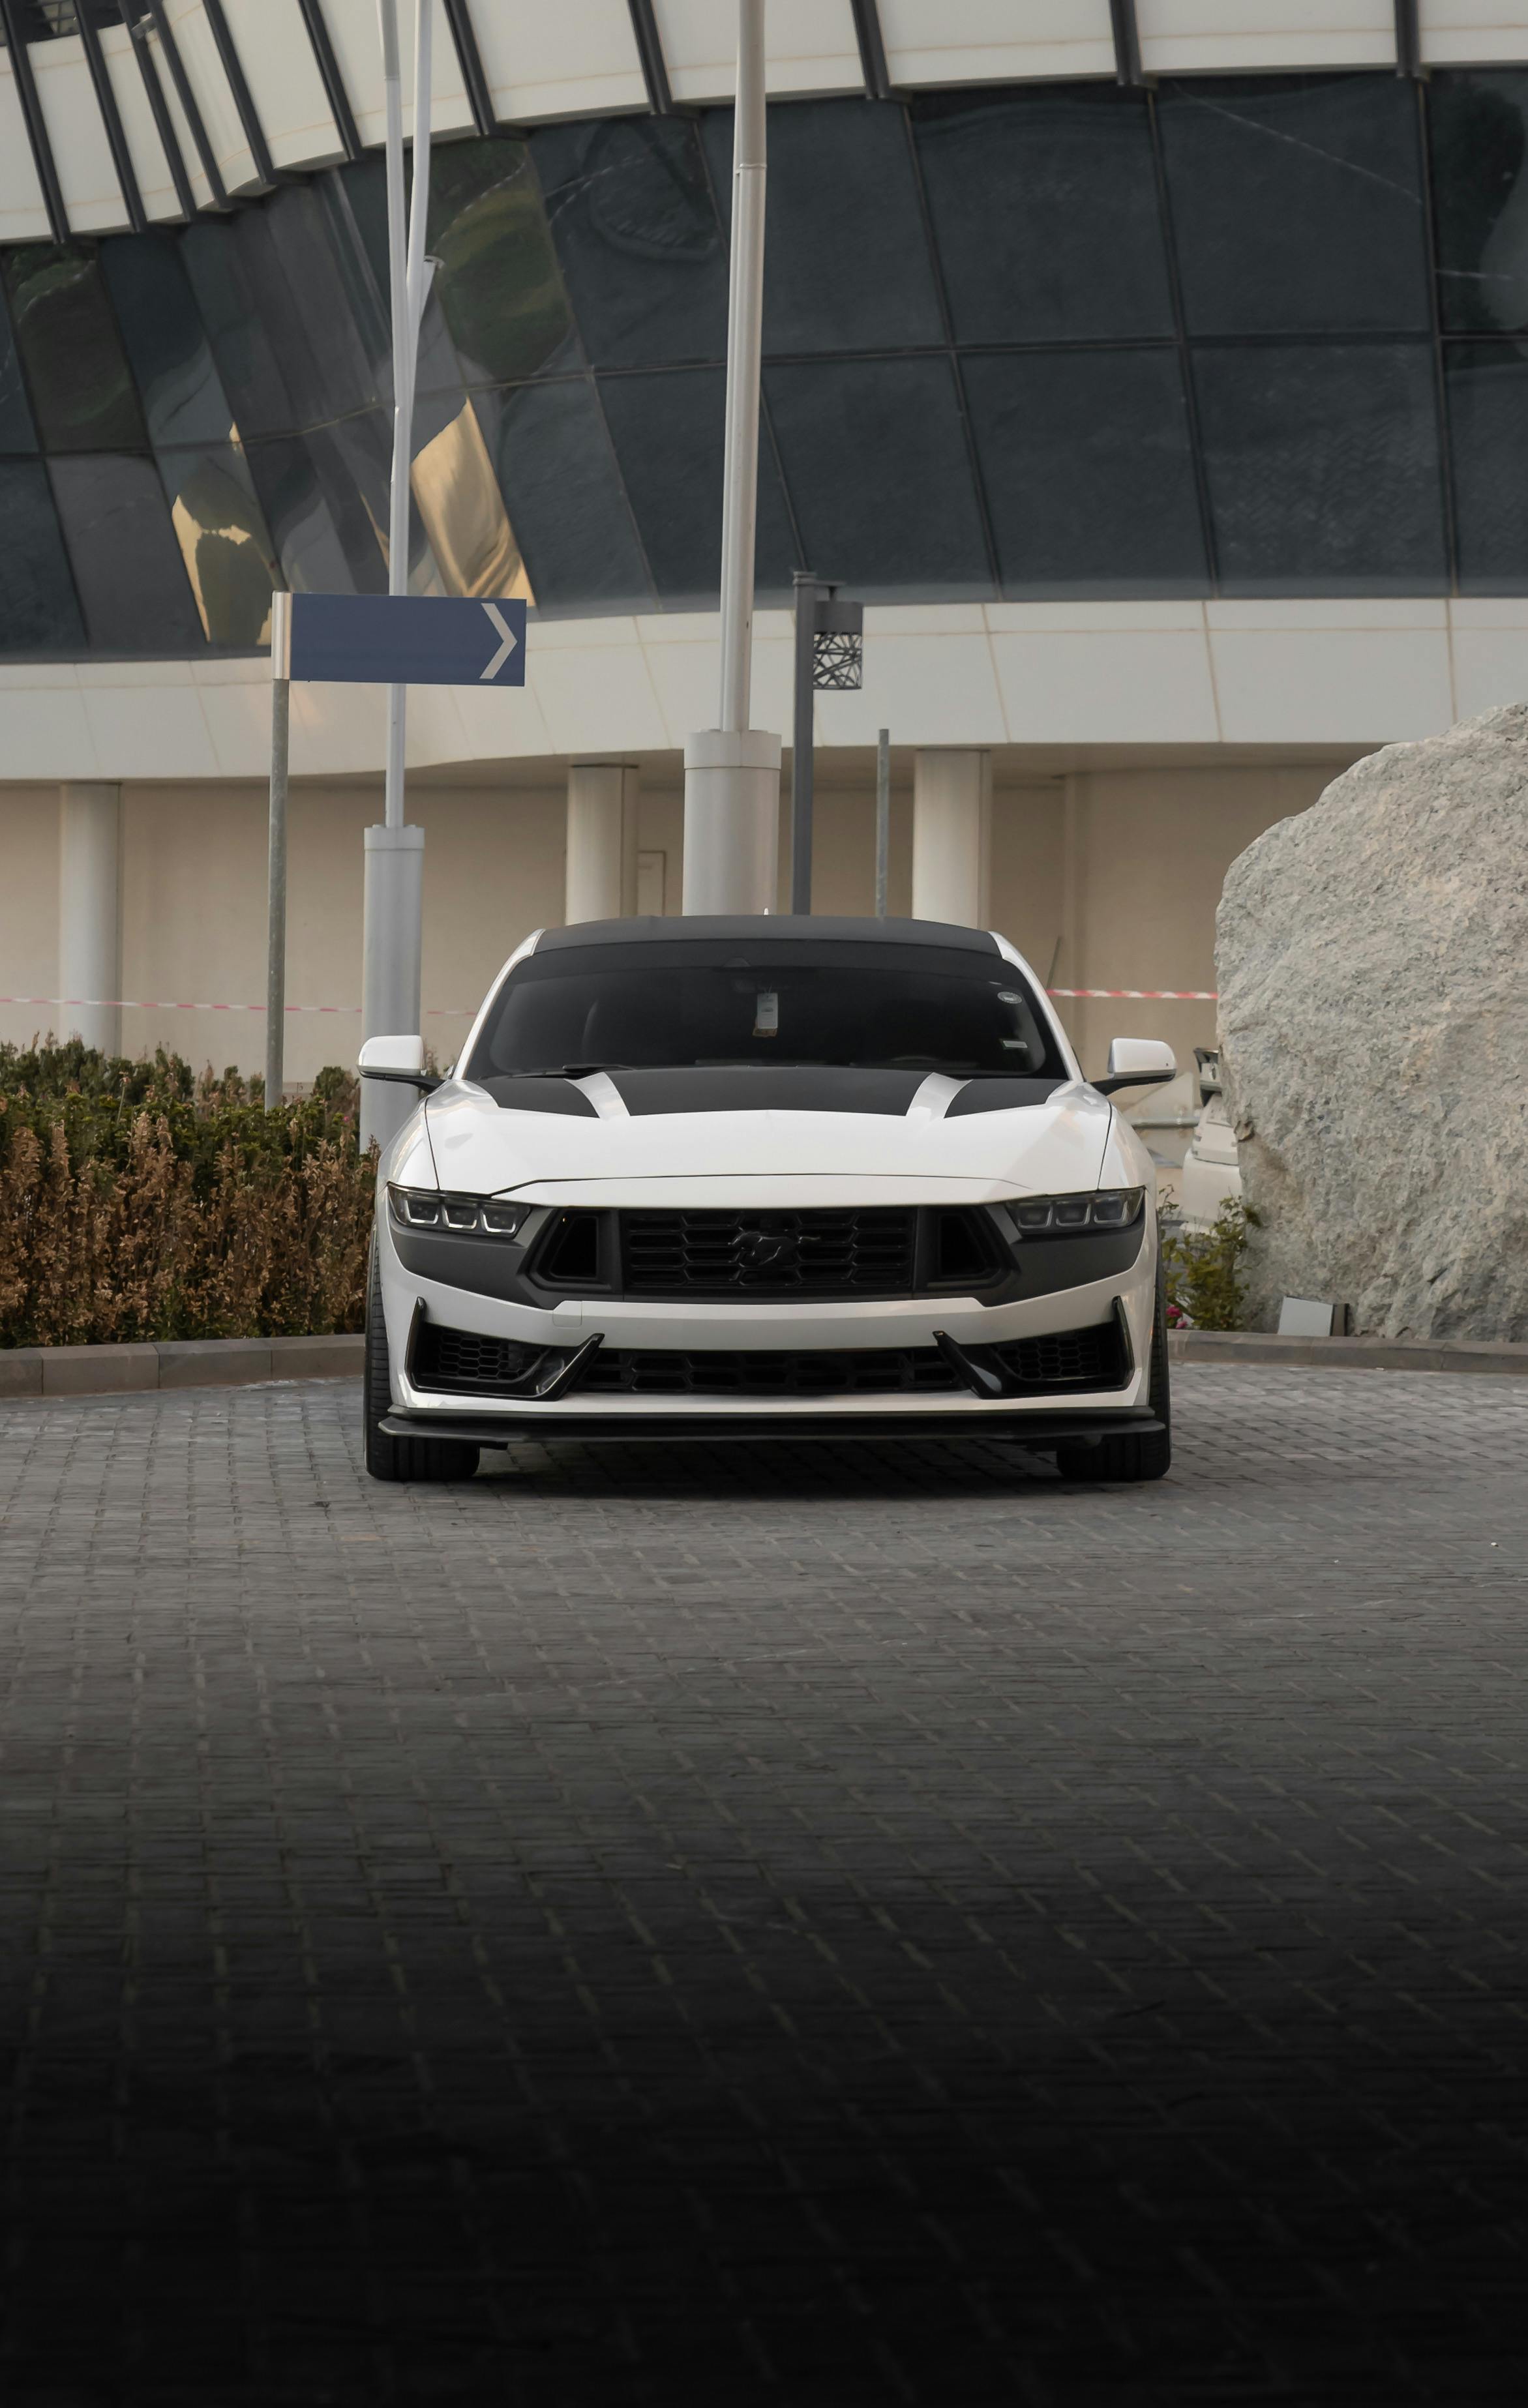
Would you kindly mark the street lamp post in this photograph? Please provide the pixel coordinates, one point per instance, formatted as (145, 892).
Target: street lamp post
(732, 770)
(395, 855)
(828, 660)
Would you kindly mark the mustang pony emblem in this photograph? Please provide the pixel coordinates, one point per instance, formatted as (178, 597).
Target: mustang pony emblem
(768, 1250)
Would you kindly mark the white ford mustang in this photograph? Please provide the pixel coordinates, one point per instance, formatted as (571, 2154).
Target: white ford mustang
(754, 1177)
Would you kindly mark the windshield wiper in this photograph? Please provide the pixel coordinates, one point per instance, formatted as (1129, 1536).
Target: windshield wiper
(570, 1070)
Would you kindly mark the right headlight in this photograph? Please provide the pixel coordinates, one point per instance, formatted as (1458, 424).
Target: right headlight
(1062, 1216)
(426, 1207)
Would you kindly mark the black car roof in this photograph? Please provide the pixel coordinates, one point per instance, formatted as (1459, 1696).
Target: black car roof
(773, 928)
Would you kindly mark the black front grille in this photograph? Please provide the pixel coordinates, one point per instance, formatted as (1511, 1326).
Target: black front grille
(873, 1371)
(458, 1362)
(769, 1254)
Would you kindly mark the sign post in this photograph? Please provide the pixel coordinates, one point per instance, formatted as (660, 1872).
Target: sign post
(828, 660)
(882, 818)
(373, 639)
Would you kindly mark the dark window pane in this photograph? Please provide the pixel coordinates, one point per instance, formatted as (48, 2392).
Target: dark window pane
(325, 500)
(846, 263)
(1479, 137)
(552, 459)
(631, 214)
(1323, 467)
(126, 561)
(279, 315)
(38, 612)
(74, 364)
(1087, 470)
(1297, 203)
(223, 541)
(182, 394)
(498, 282)
(1488, 411)
(249, 360)
(1044, 210)
(17, 432)
(667, 432)
(875, 463)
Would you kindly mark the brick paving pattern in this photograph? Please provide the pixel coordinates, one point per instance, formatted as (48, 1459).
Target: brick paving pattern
(808, 1927)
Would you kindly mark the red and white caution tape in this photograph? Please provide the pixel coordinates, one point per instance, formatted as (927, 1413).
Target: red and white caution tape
(126, 1003)
(1138, 994)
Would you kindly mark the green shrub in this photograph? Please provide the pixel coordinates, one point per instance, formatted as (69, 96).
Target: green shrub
(141, 1200)
(1205, 1285)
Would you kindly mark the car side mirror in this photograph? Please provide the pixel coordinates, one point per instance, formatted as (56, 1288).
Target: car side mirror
(1137, 1062)
(400, 1059)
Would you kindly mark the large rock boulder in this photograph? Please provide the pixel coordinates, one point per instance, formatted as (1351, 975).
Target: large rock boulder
(1371, 959)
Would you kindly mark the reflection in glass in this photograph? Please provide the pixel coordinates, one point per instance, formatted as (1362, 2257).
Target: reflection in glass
(1480, 139)
(184, 399)
(463, 512)
(126, 562)
(82, 390)
(1323, 467)
(224, 541)
(38, 612)
(17, 432)
(875, 463)
(1044, 210)
(630, 205)
(1488, 410)
(552, 457)
(1089, 473)
(250, 362)
(667, 432)
(846, 263)
(498, 282)
(1297, 203)
(297, 509)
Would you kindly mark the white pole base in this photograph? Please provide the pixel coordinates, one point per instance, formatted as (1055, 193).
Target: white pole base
(731, 821)
(394, 888)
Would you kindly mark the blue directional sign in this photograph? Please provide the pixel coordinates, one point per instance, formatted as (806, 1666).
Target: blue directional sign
(397, 639)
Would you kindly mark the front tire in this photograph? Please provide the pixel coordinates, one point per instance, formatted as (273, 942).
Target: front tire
(1144, 1456)
(399, 1458)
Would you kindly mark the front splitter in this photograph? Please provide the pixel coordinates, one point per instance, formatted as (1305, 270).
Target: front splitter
(1041, 1431)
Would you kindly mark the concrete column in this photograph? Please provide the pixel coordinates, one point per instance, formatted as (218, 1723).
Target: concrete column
(90, 913)
(951, 813)
(601, 841)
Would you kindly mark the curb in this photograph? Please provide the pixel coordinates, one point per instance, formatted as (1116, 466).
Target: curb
(1228, 1346)
(176, 1363)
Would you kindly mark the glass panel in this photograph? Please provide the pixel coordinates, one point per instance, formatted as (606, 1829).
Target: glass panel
(631, 214)
(875, 463)
(301, 512)
(38, 612)
(250, 362)
(552, 459)
(1488, 411)
(847, 264)
(126, 562)
(82, 391)
(463, 514)
(182, 394)
(498, 282)
(1044, 210)
(1480, 141)
(17, 432)
(223, 541)
(1297, 203)
(1089, 474)
(667, 432)
(1323, 467)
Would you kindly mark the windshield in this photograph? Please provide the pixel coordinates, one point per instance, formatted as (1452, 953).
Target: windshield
(666, 1005)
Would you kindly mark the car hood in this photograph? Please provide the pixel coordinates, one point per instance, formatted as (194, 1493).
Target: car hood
(717, 1149)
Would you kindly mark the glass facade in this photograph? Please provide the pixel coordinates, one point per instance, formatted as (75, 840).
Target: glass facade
(1244, 336)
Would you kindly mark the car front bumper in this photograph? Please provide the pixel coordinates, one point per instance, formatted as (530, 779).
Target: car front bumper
(859, 1327)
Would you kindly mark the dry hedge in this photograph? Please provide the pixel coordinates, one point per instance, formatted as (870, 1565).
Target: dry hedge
(140, 1200)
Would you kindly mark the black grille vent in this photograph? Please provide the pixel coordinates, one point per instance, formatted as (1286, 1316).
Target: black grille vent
(769, 1254)
(1068, 1358)
(875, 1372)
(460, 1362)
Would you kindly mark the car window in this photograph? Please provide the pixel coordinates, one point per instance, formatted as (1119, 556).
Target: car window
(670, 1005)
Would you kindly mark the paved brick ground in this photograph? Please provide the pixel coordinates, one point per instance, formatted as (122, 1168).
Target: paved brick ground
(757, 1927)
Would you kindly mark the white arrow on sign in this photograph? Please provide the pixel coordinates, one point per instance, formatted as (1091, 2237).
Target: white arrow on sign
(506, 647)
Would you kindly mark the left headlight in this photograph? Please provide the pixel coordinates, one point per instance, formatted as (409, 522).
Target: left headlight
(424, 1208)
(1060, 1216)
